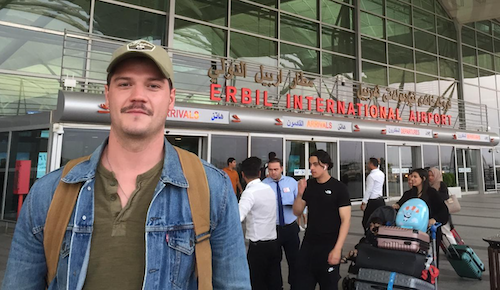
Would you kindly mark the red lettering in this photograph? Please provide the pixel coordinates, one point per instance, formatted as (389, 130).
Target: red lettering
(330, 106)
(398, 117)
(437, 119)
(350, 109)
(288, 101)
(423, 116)
(412, 116)
(429, 118)
(265, 100)
(391, 114)
(443, 119)
(373, 111)
(309, 100)
(449, 119)
(359, 108)
(246, 96)
(340, 107)
(230, 92)
(366, 110)
(319, 105)
(257, 97)
(213, 91)
(383, 112)
(297, 102)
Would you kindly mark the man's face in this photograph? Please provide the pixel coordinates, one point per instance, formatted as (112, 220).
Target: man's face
(139, 98)
(232, 165)
(275, 170)
(317, 168)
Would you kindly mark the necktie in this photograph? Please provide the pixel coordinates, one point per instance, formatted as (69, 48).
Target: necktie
(281, 215)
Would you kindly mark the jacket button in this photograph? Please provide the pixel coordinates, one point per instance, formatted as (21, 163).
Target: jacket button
(113, 197)
(84, 217)
(89, 188)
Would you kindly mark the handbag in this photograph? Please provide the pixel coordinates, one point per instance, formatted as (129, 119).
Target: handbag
(453, 204)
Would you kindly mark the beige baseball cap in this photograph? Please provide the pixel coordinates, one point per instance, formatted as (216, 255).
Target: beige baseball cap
(143, 48)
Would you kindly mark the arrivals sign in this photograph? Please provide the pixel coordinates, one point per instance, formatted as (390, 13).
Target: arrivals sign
(198, 115)
(316, 124)
(317, 104)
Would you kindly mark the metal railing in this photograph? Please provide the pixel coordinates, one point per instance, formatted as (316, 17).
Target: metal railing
(86, 56)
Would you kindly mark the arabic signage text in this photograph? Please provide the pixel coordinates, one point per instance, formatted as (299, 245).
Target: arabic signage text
(473, 137)
(411, 132)
(316, 124)
(198, 115)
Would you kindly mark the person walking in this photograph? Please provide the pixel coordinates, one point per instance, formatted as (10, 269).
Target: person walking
(230, 170)
(373, 197)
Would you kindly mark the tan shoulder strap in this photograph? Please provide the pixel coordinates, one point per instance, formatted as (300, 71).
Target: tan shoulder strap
(58, 216)
(199, 201)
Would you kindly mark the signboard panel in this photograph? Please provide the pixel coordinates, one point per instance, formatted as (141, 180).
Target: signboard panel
(198, 115)
(410, 132)
(316, 124)
(473, 137)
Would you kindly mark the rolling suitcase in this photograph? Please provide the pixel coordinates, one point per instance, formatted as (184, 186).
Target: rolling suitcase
(406, 263)
(465, 262)
(369, 279)
(396, 238)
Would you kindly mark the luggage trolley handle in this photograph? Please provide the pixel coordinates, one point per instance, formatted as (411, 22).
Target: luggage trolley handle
(446, 249)
(434, 228)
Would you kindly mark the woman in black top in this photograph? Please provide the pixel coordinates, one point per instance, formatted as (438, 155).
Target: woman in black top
(438, 211)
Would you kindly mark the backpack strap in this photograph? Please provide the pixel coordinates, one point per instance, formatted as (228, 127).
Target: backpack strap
(199, 201)
(58, 216)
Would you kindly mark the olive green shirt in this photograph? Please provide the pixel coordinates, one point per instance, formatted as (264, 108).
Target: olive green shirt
(118, 246)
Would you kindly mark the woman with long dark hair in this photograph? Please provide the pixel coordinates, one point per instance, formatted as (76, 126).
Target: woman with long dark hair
(438, 211)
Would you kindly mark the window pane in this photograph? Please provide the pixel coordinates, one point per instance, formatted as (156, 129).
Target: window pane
(306, 8)
(40, 94)
(334, 65)
(189, 36)
(425, 4)
(468, 36)
(496, 29)
(128, 23)
(261, 146)
(401, 79)
(425, 41)
(423, 20)
(271, 3)
(399, 33)
(254, 49)
(469, 55)
(400, 56)
(158, 5)
(485, 60)
(234, 146)
(375, 150)
(253, 19)
(497, 64)
(484, 42)
(448, 68)
(351, 167)
(471, 94)
(338, 40)
(426, 63)
(446, 28)
(337, 14)
(427, 84)
(447, 48)
(398, 11)
(448, 165)
(71, 14)
(374, 6)
(299, 58)
(374, 74)
(213, 11)
(373, 49)
(441, 11)
(489, 98)
(19, 54)
(431, 156)
(29, 145)
(299, 31)
(471, 75)
(496, 42)
(80, 142)
(484, 26)
(372, 25)
(487, 79)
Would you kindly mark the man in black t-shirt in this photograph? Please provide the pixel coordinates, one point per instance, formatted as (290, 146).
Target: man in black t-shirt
(329, 209)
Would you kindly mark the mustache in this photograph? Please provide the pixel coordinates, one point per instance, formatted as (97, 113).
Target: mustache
(136, 106)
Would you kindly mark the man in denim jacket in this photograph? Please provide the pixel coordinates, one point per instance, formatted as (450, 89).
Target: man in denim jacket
(131, 227)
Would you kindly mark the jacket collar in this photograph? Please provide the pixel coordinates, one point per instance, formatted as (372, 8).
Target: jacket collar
(171, 172)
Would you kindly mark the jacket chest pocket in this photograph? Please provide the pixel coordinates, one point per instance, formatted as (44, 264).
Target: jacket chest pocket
(181, 256)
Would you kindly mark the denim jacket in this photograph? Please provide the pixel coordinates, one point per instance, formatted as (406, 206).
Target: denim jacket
(169, 264)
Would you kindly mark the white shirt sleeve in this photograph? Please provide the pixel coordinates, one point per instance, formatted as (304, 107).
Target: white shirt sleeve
(246, 203)
(368, 188)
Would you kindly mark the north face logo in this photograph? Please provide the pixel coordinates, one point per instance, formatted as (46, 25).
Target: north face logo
(140, 45)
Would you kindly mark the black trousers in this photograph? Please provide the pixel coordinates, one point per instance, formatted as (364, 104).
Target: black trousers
(372, 205)
(313, 268)
(264, 261)
(288, 238)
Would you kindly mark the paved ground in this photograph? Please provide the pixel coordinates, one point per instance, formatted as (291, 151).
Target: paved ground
(478, 218)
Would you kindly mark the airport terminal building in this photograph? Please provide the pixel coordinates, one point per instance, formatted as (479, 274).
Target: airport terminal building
(414, 83)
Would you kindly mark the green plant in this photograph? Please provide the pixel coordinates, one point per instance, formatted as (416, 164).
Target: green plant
(449, 179)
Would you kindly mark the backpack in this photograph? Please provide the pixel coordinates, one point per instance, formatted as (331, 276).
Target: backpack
(66, 194)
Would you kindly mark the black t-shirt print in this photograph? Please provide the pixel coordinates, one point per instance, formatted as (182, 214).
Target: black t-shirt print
(323, 203)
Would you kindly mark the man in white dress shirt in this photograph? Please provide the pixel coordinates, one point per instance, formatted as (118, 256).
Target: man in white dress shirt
(374, 196)
(258, 208)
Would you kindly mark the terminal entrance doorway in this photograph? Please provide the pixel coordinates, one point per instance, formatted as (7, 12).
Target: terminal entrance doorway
(401, 160)
(468, 169)
(296, 161)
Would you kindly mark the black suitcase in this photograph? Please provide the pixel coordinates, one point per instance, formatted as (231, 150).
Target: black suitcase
(407, 263)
